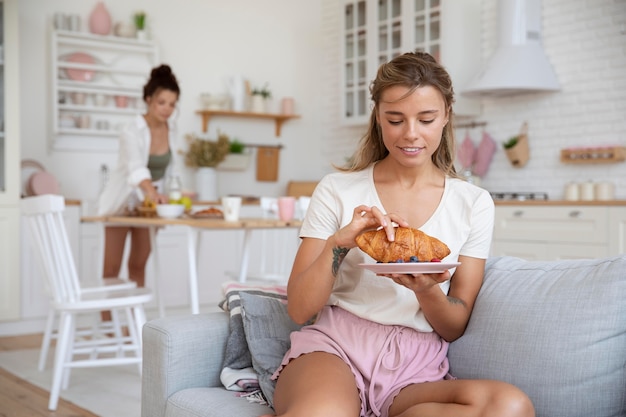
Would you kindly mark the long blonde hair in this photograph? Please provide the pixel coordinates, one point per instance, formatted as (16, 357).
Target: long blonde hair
(411, 70)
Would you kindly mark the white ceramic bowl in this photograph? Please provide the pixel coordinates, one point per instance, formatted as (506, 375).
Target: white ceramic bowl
(170, 211)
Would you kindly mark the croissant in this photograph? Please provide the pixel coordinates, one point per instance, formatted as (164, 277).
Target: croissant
(409, 242)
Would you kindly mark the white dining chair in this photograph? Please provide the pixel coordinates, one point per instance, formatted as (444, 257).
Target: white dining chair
(44, 221)
(95, 327)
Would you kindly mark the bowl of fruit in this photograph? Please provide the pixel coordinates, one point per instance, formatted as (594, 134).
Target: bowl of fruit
(170, 211)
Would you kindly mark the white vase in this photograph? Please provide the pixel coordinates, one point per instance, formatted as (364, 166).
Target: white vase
(206, 184)
(257, 105)
(141, 35)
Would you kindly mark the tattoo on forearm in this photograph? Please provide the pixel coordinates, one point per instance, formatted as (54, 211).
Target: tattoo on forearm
(453, 300)
(338, 255)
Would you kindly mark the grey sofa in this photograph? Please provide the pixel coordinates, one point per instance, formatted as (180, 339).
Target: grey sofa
(555, 329)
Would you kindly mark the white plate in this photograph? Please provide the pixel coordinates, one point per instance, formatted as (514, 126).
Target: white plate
(410, 267)
(130, 71)
(75, 74)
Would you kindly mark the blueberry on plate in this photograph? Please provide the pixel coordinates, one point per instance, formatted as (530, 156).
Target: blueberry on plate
(414, 259)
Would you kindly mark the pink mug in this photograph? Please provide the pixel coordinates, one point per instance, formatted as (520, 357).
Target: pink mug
(286, 208)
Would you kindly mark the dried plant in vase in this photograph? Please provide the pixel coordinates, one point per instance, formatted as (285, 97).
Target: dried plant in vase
(203, 152)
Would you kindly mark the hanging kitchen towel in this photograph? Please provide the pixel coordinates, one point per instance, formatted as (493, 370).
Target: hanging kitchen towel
(484, 155)
(467, 153)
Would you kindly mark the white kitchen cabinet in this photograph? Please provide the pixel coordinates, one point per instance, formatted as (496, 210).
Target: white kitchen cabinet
(556, 232)
(617, 220)
(10, 178)
(9, 265)
(97, 84)
(375, 31)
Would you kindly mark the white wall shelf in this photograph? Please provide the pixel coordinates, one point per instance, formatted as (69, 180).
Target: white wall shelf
(90, 73)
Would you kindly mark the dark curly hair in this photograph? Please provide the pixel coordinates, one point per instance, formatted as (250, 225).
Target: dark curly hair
(411, 70)
(161, 78)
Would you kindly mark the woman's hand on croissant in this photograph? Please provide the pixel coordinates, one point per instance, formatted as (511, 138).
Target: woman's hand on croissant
(366, 218)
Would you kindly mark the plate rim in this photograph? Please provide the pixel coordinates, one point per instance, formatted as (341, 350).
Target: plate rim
(371, 266)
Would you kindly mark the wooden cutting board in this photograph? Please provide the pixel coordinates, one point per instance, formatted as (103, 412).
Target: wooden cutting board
(267, 158)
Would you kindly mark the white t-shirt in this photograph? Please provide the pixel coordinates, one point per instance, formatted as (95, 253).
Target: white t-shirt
(463, 220)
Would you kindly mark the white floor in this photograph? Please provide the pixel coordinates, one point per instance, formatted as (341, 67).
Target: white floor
(107, 391)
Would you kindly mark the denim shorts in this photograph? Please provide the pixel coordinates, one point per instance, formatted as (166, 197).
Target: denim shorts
(392, 358)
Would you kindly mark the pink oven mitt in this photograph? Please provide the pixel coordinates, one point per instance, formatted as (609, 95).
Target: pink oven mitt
(467, 152)
(484, 155)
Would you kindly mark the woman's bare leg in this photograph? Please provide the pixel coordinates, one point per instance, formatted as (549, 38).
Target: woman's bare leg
(139, 253)
(317, 384)
(114, 242)
(468, 398)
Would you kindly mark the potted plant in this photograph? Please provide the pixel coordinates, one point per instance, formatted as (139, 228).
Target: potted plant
(237, 159)
(516, 148)
(260, 99)
(206, 155)
(140, 24)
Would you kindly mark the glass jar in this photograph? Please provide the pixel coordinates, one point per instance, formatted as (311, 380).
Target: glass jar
(174, 188)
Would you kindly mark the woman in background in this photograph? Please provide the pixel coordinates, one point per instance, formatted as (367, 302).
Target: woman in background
(145, 155)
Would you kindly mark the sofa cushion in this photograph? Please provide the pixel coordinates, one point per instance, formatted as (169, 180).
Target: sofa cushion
(212, 402)
(557, 330)
(267, 327)
(237, 355)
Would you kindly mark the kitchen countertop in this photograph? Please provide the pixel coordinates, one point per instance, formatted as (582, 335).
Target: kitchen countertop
(73, 202)
(559, 203)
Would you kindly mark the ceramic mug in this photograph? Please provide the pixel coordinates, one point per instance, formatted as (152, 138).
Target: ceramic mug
(231, 207)
(286, 208)
(121, 101)
(79, 98)
(84, 122)
(100, 99)
(287, 105)
(303, 206)
(61, 21)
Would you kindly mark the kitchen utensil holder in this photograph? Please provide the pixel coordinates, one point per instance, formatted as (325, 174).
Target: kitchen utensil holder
(519, 154)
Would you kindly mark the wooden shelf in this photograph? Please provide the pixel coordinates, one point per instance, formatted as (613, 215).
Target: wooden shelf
(599, 155)
(279, 119)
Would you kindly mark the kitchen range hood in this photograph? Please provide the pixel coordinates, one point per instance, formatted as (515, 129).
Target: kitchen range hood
(519, 64)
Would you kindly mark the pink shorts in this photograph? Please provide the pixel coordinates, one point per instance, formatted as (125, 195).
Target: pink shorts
(393, 357)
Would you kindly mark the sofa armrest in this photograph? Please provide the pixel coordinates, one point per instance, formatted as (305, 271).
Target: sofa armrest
(181, 352)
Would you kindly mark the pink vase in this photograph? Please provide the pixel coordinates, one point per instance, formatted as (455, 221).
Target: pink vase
(100, 20)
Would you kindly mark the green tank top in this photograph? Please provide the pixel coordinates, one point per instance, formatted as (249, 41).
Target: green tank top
(157, 164)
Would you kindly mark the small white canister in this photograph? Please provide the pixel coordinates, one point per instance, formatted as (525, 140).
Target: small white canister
(572, 192)
(605, 191)
(587, 191)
